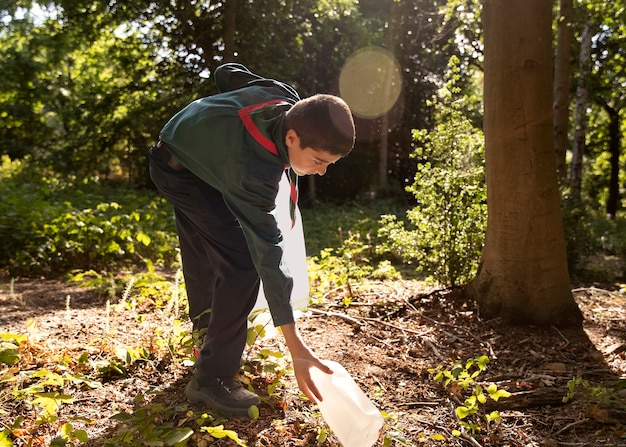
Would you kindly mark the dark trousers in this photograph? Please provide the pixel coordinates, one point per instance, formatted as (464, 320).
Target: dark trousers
(221, 281)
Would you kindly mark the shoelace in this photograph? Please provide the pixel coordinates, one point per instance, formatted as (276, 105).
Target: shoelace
(223, 384)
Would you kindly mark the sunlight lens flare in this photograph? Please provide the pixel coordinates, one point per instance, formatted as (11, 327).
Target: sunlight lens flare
(370, 82)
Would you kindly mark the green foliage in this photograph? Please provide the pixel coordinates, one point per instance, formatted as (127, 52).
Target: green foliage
(596, 246)
(9, 347)
(54, 224)
(606, 394)
(394, 435)
(461, 379)
(87, 85)
(448, 223)
(149, 425)
(346, 237)
(69, 437)
(218, 432)
(274, 366)
(46, 381)
(327, 225)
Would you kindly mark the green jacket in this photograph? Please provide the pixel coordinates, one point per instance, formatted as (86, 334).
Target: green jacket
(235, 142)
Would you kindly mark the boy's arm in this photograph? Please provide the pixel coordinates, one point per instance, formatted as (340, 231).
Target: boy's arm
(233, 76)
(303, 360)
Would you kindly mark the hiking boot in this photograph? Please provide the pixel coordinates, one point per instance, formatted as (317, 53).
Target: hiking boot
(226, 395)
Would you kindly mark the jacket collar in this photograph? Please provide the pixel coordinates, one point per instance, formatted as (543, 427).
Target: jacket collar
(265, 123)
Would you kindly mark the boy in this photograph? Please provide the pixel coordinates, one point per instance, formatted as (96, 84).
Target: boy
(219, 162)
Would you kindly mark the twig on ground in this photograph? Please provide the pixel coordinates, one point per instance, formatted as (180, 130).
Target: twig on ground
(356, 321)
(337, 314)
(568, 426)
(378, 382)
(431, 345)
(469, 438)
(591, 289)
(403, 329)
(562, 336)
(419, 404)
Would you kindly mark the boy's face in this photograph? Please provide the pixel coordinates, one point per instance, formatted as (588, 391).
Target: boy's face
(307, 161)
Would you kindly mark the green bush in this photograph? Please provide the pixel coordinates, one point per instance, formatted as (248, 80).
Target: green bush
(596, 247)
(446, 232)
(55, 224)
(341, 244)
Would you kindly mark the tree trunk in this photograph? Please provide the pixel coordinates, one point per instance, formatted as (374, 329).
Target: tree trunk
(561, 86)
(383, 149)
(580, 120)
(612, 204)
(229, 28)
(523, 277)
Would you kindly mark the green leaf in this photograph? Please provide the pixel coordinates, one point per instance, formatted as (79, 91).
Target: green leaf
(253, 412)
(4, 439)
(493, 416)
(122, 417)
(456, 371)
(50, 378)
(81, 435)
(462, 412)
(322, 436)
(178, 435)
(51, 402)
(483, 361)
(218, 432)
(66, 429)
(438, 437)
(499, 394)
(143, 238)
(9, 356)
(9, 336)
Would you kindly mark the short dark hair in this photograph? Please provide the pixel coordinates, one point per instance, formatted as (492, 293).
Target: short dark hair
(323, 122)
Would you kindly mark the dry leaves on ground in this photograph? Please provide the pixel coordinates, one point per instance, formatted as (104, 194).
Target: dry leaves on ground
(389, 336)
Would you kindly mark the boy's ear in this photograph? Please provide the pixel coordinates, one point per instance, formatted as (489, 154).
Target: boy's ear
(292, 138)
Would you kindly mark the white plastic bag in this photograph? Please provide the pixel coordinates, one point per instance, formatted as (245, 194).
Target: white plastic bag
(294, 257)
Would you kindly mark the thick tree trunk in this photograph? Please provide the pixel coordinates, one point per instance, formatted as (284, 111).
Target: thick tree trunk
(580, 120)
(561, 86)
(523, 277)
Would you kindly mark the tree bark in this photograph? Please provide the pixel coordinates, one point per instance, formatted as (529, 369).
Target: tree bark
(563, 55)
(523, 277)
(612, 204)
(229, 28)
(580, 120)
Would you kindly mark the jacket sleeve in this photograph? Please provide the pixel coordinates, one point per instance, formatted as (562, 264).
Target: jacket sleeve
(252, 202)
(233, 76)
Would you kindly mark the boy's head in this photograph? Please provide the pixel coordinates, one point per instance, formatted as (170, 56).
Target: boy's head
(323, 123)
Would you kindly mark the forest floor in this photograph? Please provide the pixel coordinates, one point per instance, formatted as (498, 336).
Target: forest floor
(389, 336)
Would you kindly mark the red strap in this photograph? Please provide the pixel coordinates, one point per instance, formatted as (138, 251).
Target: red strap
(244, 114)
(248, 122)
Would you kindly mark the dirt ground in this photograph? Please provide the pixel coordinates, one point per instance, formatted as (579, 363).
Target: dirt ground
(388, 337)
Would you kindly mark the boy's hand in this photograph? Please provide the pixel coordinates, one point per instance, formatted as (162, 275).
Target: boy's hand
(303, 360)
